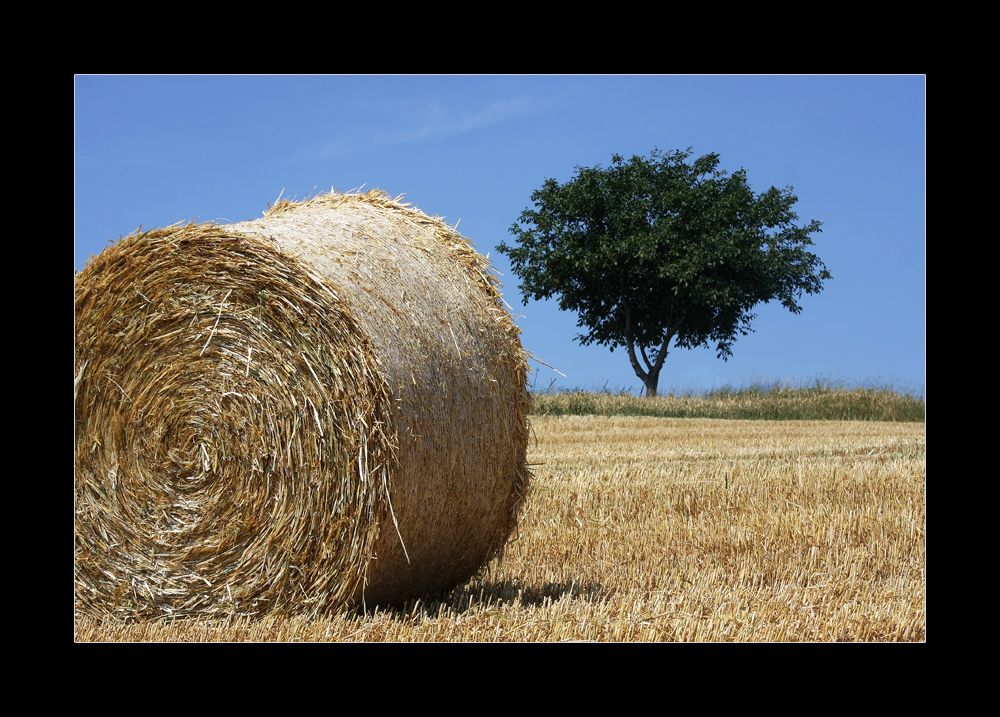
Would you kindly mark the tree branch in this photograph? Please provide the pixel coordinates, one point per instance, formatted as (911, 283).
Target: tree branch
(642, 350)
(662, 353)
(630, 342)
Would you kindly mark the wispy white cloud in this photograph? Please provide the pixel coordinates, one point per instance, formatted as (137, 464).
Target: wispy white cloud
(402, 122)
(494, 113)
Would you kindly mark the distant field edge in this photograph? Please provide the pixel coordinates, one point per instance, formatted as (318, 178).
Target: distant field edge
(762, 404)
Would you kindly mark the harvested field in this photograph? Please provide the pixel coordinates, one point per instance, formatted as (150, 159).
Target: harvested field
(658, 529)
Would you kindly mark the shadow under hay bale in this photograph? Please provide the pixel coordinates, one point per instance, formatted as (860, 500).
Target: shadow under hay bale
(321, 408)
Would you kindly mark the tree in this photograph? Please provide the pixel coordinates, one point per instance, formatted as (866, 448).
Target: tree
(654, 250)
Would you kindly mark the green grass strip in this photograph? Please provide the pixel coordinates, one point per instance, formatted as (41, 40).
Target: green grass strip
(767, 403)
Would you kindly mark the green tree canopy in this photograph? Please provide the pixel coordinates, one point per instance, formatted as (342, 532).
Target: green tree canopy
(653, 250)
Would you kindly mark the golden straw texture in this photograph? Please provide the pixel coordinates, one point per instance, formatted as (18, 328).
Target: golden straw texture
(322, 408)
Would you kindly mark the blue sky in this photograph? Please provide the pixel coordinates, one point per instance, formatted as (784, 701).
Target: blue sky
(156, 150)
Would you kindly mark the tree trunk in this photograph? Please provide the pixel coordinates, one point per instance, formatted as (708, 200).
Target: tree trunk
(651, 377)
(651, 380)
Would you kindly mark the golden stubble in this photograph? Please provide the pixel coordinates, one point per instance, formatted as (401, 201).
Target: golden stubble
(734, 530)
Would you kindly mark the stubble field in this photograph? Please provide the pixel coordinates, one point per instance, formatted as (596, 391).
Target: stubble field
(672, 529)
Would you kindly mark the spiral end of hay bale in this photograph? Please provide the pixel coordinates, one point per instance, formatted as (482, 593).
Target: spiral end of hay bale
(321, 408)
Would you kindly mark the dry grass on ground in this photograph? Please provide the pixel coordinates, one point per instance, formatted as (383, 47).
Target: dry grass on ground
(653, 529)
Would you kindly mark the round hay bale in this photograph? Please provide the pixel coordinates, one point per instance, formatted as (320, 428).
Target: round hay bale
(321, 408)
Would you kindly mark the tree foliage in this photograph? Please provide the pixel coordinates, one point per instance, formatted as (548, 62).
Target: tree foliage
(655, 249)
